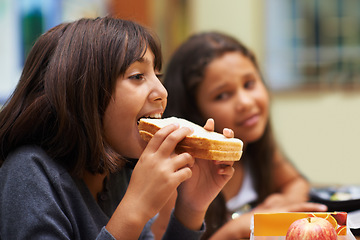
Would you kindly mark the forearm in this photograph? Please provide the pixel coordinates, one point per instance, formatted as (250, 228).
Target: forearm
(289, 182)
(192, 220)
(234, 229)
(297, 190)
(127, 222)
(294, 191)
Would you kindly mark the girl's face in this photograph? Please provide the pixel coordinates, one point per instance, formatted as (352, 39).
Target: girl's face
(138, 93)
(233, 94)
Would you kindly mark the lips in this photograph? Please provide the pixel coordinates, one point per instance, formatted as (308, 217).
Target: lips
(250, 121)
(153, 115)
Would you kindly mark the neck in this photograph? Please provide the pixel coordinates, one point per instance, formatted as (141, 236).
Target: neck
(233, 186)
(94, 182)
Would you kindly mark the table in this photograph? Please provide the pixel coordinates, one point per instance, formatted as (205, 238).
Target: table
(357, 238)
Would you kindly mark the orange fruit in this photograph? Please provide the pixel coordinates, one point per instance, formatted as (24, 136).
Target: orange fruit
(320, 214)
(341, 230)
(332, 220)
(328, 217)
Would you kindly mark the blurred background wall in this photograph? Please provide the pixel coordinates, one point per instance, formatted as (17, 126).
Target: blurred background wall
(309, 52)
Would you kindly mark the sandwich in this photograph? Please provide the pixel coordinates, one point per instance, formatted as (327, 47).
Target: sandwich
(200, 144)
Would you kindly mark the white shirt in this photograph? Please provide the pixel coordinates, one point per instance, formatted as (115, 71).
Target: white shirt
(246, 194)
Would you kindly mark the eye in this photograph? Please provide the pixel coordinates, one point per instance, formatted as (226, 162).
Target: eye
(159, 76)
(223, 96)
(138, 76)
(249, 84)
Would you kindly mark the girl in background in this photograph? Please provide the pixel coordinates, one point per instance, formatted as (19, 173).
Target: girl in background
(73, 165)
(213, 75)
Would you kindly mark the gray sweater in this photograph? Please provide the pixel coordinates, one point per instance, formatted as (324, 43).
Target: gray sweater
(40, 200)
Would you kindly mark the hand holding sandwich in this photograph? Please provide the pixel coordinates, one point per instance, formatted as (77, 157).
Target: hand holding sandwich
(175, 152)
(155, 178)
(207, 180)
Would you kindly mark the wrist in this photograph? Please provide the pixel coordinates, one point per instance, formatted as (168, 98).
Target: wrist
(191, 219)
(127, 220)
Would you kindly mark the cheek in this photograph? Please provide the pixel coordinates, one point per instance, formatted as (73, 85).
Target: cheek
(111, 124)
(116, 123)
(221, 113)
(264, 103)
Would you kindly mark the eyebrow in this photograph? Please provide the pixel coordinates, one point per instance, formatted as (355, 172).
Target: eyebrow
(142, 59)
(218, 88)
(146, 60)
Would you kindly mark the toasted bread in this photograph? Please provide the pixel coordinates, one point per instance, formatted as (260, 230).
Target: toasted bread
(200, 144)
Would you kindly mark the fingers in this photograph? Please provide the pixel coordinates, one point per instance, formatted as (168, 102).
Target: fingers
(165, 140)
(307, 207)
(228, 163)
(162, 147)
(310, 207)
(228, 133)
(225, 167)
(169, 144)
(210, 124)
(183, 174)
(182, 160)
(181, 167)
(226, 170)
(160, 136)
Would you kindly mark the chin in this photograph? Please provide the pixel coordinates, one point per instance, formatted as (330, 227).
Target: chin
(251, 137)
(133, 154)
(251, 140)
(255, 135)
(141, 145)
(134, 147)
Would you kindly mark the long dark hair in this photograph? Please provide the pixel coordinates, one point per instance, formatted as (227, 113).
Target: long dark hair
(65, 87)
(184, 73)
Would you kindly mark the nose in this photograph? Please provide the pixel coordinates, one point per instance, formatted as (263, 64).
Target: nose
(158, 92)
(243, 100)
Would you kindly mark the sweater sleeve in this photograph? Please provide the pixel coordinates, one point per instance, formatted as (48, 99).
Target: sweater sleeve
(39, 200)
(105, 235)
(30, 208)
(177, 231)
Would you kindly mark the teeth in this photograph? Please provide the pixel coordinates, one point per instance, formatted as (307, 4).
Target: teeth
(156, 115)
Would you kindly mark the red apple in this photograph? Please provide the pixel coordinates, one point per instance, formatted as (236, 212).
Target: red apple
(311, 228)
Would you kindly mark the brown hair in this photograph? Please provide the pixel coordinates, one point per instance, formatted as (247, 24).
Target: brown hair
(184, 73)
(65, 87)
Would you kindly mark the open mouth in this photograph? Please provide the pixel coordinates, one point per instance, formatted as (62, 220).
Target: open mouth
(153, 116)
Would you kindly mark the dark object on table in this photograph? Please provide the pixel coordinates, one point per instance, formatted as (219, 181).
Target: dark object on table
(338, 199)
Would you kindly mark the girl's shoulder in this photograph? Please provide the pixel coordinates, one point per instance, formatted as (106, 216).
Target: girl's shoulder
(34, 186)
(28, 157)
(30, 164)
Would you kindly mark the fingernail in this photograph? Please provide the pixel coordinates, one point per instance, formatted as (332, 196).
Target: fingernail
(191, 129)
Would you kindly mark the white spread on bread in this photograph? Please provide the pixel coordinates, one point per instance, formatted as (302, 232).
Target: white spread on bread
(201, 143)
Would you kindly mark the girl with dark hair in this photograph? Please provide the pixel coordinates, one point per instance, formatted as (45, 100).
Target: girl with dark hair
(212, 75)
(73, 165)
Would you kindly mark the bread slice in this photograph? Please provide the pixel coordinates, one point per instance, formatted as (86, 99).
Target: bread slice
(201, 143)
